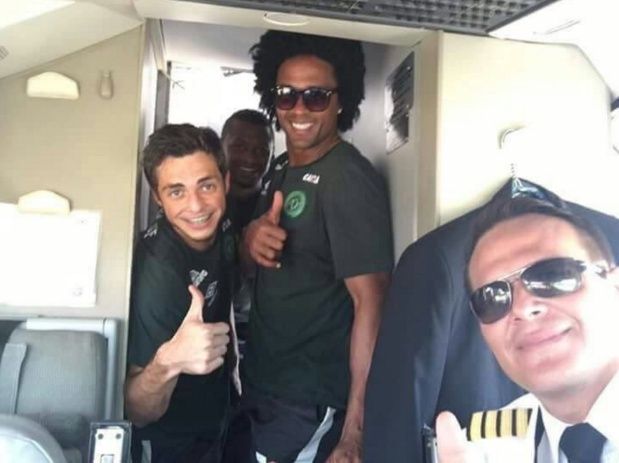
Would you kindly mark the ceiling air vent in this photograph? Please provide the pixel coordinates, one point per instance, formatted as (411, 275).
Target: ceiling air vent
(3, 52)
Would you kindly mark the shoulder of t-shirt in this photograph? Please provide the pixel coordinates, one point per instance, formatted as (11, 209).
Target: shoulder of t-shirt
(347, 162)
(159, 242)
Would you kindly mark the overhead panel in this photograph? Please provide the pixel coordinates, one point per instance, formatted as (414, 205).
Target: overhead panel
(465, 16)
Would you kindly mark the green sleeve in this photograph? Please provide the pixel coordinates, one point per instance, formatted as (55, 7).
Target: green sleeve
(159, 301)
(358, 221)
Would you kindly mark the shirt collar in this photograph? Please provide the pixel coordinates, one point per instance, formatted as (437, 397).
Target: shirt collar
(602, 415)
(554, 428)
(599, 417)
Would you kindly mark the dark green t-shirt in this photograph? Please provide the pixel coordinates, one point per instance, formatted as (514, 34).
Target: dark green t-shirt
(163, 267)
(336, 215)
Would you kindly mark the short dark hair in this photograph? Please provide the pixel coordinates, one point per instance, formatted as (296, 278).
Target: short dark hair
(498, 211)
(346, 57)
(179, 140)
(251, 116)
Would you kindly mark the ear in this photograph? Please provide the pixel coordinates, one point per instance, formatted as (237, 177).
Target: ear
(156, 197)
(227, 181)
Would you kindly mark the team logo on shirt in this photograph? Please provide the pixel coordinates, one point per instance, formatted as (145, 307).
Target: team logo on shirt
(211, 293)
(294, 204)
(152, 230)
(265, 188)
(197, 277)
(311, 178)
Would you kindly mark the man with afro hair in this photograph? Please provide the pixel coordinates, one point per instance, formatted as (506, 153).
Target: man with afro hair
(322, 248)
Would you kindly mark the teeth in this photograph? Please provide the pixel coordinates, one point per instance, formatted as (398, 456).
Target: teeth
(301, 126)
(200, 220)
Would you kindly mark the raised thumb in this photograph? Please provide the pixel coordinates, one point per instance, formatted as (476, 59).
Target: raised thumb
(452, 445)
(197, 303)
(276, 208)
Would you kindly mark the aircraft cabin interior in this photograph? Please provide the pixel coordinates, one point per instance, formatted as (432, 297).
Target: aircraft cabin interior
(461, 96)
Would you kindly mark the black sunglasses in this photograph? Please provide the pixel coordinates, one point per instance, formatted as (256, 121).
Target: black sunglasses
(546, 278)
(315, 99)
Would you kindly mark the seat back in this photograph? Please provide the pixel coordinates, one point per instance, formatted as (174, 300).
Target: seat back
(25, 441)
(57, 378)
(63, 372)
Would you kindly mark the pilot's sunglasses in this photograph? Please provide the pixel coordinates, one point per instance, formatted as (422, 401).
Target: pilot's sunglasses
(315, 99)
(546, 278)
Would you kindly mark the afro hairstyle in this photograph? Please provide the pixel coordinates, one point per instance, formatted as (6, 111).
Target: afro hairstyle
(346, 57)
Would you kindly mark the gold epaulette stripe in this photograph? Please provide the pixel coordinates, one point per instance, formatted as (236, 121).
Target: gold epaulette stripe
(490, 424)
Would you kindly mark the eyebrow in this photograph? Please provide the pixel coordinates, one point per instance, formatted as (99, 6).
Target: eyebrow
(182, 185)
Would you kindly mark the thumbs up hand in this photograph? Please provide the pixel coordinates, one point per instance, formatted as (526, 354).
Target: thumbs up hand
(451, 442)
(197, 348)
(264, 238)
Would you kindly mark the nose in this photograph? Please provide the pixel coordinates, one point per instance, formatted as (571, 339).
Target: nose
(525, 305)
(195, 202)
(299, 105)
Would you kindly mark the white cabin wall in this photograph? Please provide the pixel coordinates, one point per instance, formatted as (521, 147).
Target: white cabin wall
(409, 170)
(368, 132)
(85, 150)
(489, 85)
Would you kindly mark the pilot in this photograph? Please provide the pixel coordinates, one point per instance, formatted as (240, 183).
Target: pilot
(545, 291)
(180, 357)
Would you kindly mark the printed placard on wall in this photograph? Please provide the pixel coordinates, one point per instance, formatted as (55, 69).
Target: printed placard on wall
(48, 259)
(398, 103)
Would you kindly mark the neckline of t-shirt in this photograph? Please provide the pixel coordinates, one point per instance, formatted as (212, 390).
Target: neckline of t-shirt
(315, 161)
(174, 236)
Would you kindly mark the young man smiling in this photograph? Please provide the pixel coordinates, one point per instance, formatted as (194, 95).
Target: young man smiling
(246, 138)
(177, 388)
(545, 290)
(323, 250)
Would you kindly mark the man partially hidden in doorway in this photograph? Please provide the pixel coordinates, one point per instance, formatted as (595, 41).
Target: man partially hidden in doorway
(247, 140)
(180, 360)
(323, 250)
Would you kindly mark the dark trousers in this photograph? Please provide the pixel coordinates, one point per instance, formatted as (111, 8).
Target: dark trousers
(192, 450)
(284, 430)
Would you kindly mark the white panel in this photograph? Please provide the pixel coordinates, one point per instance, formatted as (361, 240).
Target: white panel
(56, 267)
(490, 85)
(59, 33)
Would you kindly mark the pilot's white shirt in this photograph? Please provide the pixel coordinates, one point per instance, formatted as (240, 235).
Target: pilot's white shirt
(604, 416)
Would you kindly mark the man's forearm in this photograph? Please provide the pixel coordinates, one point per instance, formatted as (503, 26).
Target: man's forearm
(363, 339)
(148, 390)
(367, 302)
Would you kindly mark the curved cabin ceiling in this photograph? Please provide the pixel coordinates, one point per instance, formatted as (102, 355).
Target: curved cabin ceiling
(33, 32)
(464, 16)
(30, 37)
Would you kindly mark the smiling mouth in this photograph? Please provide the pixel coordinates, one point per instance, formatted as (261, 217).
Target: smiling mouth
(301, 126)
(535, 341)
(201, 219)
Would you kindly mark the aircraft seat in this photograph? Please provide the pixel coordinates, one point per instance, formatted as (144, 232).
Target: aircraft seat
(58, 378)
(25, 441)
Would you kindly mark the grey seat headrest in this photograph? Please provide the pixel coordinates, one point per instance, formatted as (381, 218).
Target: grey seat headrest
(25, 441)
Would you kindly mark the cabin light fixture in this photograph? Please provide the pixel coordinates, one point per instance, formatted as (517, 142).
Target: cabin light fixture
(52, 85)
(106, 85)
(285, 19)
(559, 21)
